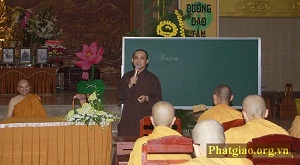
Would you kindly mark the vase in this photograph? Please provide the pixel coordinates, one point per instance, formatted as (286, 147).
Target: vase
(26, 39)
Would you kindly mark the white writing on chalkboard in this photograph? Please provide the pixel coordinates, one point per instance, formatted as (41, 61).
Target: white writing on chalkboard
(164, 57)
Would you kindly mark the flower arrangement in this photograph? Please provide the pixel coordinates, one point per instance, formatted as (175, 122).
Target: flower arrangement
(22, 16)
(166, 29)
(91, 113)
(165, 19)
(181, 24)
(43, 25)
(88, 58)
(169, 28)
(55, 47)
(55, 50)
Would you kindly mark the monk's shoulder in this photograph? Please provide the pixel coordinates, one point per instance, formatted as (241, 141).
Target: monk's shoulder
(16, 99)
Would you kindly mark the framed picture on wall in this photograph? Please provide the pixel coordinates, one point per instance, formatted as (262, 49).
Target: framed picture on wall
(25, 55)
(8, 55)
(42, 55)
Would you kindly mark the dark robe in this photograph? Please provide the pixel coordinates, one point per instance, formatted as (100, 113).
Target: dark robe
(133, 111)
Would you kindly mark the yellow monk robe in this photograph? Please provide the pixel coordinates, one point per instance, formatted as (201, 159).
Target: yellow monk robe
(158, 131)
(218, 161)
(221, 113)
(252, 129)
(30, 106)
(295, 129)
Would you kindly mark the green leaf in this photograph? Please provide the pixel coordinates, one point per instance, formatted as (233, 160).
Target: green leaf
(88, 87)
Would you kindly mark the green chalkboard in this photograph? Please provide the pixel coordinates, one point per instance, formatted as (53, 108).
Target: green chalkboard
(190, 68)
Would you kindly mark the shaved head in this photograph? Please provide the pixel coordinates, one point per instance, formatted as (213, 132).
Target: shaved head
(208, 131)
(163, 113)
(22, 82)
(254, 106)
(23, 87)
(223, 94)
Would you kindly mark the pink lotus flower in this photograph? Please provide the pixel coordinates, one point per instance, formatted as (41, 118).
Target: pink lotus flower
(85, 75)
(90, 55)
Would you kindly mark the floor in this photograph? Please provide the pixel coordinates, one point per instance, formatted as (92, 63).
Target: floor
(58, 104)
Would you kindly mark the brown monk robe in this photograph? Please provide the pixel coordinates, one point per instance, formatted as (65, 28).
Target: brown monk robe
(139, 90)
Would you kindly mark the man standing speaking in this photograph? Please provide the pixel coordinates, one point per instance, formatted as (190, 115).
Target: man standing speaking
(139, 89)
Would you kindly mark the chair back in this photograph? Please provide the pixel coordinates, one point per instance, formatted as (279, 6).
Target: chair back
(81, 97)
(269, 107)
(297, 105)
(123, 148)
(288, 93)
(232, 123)
(146, 126)
(287, 107)
(167, 145)
(286, 149)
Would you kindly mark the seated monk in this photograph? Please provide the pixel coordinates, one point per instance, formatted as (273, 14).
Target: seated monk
(221, 112)
(25, 104)
(208, 132)
(254, 112)
(163, 117)
(295, 128)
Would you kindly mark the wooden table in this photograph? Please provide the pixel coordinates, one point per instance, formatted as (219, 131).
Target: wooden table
(30, 141)
(42, 80)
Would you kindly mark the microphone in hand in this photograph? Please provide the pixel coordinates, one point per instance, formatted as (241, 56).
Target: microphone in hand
(133, 80)
(136, 70)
